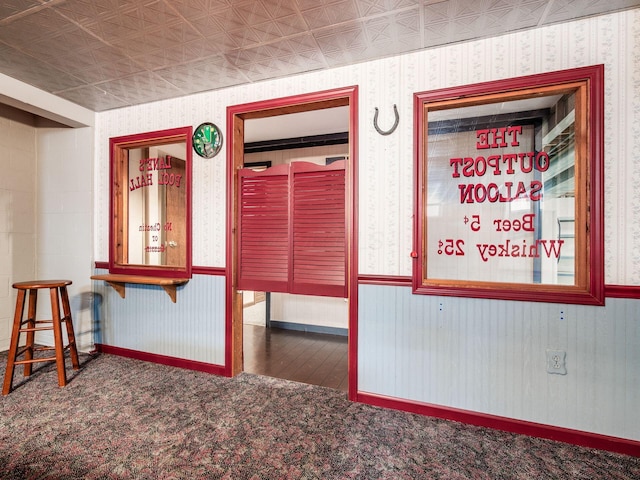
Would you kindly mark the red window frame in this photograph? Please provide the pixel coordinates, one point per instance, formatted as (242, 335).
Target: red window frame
(588, 285)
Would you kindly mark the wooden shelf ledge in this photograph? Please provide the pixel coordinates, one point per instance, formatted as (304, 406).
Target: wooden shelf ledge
(118, 282)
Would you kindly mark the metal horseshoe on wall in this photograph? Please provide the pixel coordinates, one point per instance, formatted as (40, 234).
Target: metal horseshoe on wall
(395, 124)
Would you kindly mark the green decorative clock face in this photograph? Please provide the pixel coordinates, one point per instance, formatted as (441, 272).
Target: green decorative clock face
(207, 140)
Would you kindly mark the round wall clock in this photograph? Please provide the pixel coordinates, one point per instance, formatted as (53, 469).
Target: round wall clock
(207, 140)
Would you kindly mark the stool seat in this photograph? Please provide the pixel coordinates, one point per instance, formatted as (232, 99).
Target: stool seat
(30, 325)
(41, 284)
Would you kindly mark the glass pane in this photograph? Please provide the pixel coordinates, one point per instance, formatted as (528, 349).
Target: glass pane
(156, 205)
(500, 191)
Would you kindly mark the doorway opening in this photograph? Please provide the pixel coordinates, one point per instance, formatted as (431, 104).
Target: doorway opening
(300, 348)
(268, 113)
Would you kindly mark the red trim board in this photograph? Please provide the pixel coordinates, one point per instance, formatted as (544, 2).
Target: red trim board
(610, 290)
(559, 434)
(390, 280)
(161, 359)
(219, 271)
(622, 291)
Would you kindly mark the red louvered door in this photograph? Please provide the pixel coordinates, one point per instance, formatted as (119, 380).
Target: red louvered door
(292, 234)
(317, 265)
(263, 263)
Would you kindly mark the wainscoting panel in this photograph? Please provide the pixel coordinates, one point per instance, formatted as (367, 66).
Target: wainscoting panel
(489, 356)
(146, 320)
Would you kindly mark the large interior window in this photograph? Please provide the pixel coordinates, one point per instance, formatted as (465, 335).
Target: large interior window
(509, 189)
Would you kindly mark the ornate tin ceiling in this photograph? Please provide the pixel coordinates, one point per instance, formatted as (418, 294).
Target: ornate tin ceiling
(105, 54)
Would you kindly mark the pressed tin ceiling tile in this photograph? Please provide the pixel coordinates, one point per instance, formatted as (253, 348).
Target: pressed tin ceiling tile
(397, 32)
(61, 44)
(178, 54)
(93, 98)
(38, 74)
(156, 37)
(293, 55)
(291, 24)
(322, 14)
(286, 16)
(455, 9)
(343, 45)
(115, 28)
(108, 46)
(527, 15)
(301, 45)
(280, 8)
(89, 11)
(207, 24)
(191, 9)
(139, 22)
(457, 30)
(255, 22)
(304, 5)
(205, 74)
(14, 7)
(255, 35)
(39, 24)
(377, 7)
(378, 36)
(458, 20)
(44, 76)
(97, 65)
(250, 12)
(503, 16)
(222, 40)
(563, 10)
(140, 88)
(239, 16)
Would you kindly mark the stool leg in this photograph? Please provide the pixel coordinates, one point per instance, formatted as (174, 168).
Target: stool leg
(57, 336)
(31, 335)
(13, 348)
(68, 321)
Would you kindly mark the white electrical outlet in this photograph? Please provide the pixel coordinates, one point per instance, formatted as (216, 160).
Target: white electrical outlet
(556, 362)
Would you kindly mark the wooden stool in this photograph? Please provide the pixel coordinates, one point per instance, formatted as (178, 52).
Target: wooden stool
(57, 290)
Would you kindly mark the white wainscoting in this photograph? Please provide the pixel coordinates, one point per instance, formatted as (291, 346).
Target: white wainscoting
(146, 320)
(489, 356)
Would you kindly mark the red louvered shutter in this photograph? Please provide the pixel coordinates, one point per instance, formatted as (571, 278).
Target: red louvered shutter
(318, 230)
(292, 229)
(264, 230)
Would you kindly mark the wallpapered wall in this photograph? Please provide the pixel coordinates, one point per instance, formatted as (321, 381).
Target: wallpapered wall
(386, 163)
(481, 355)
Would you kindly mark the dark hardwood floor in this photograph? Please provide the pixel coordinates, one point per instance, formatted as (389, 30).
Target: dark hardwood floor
(313, 358)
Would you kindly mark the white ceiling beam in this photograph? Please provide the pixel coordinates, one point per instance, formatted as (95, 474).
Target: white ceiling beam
(38, 102)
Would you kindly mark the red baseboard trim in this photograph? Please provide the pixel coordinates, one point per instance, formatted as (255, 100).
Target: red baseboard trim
(559, 434)
(162, 359)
